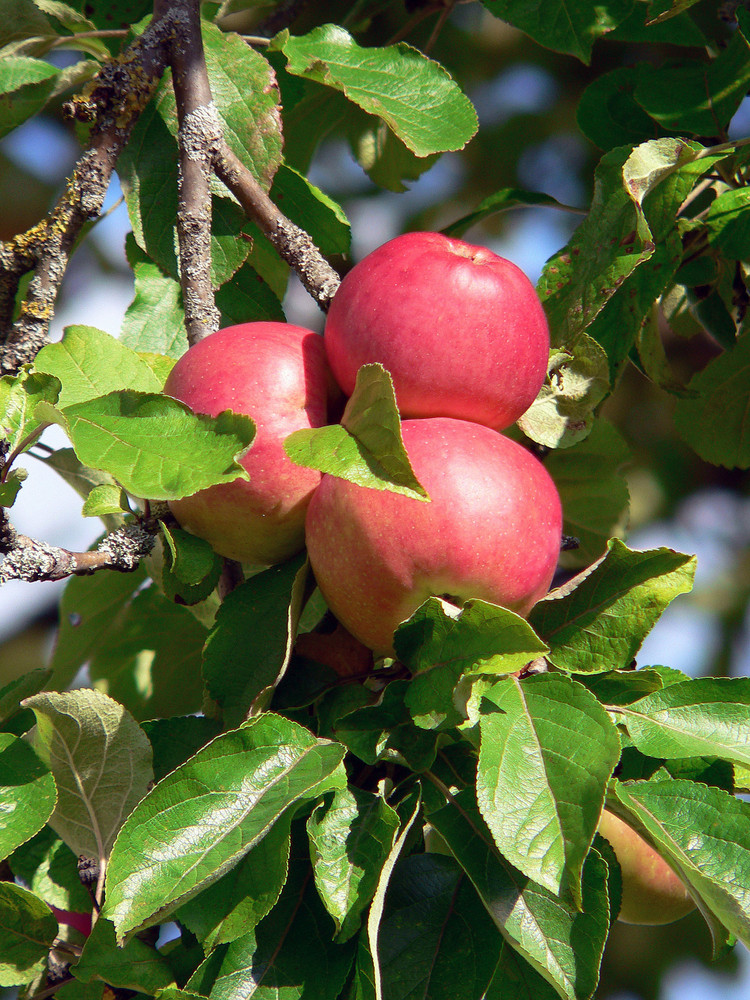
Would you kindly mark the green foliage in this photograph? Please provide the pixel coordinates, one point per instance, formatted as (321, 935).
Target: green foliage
(366, 447)
(315, 825)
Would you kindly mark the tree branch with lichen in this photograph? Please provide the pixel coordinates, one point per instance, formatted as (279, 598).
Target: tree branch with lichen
(202, 144)
(112, 102)
(31, 560)
(199, 131)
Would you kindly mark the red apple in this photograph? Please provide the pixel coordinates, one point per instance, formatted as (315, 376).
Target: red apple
(651, 891)
(492, 530)
(277, 374)
(461, 330)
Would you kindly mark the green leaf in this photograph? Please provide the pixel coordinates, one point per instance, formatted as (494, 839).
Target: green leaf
(246, 297)
(515, 979)
(384, 158)
(570, 26)
(14, 692)
(18, 400)
(563, 944)
(410, 808)
(600, 623)
(149, 656)
(593, 491)
(415, 96)
(155, 319)
(714, 419)
(88, 609)
(101, 762)
(622, 687)
(596, 282)
(50, 869)
(350, 839)
(160, 365)
(563, 412)
(704, 834)
(704, 717)
(479, 638)
(25, 85)
(27, 793)
(106, 499)
(439, 643)
(90, 363)
(653, 356)
(366, 448)
(500, 201)
(113, 14)
(244, 89)
(312, 210)
(10, 487)
(577, 282)
(671, 8)
(27, 930)
(148, 172)
(436, 939)
(548, 749)
(155, 446)
(229, 908)
(728, 223)
(290, 954)
(265, 610)
(383, 729)
(176, 739)
(136, 966)
(22, 19)
(191, 567)
(609, 115)
(620, 323)
(201, 819)
(698, 98)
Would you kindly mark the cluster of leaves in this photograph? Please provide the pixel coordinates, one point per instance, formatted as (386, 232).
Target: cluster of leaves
(429, 829)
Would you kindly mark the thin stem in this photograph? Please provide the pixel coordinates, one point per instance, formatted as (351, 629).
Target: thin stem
(22, 445)
(435, 33)
(50, 991)
(72, 39)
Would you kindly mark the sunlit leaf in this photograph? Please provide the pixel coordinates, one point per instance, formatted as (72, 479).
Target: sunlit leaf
(205, 816)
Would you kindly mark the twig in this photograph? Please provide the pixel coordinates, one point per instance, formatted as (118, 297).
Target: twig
(31, 560)
(199, 132)
(49, 991)
(113, 101)
(293, 244)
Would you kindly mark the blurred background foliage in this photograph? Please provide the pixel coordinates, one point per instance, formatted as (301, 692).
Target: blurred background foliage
(527, 99)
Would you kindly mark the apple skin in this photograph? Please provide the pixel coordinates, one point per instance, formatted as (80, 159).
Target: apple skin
(79, 921)
(492, 531)
(461, 331)
(651, 891)
(277, 374)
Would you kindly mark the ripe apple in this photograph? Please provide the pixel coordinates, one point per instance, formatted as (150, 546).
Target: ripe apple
(461, 330)
(277, 374)
(492, 530)
(651, 891)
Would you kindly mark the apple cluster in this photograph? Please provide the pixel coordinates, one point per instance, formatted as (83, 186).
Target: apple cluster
(465, 339)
